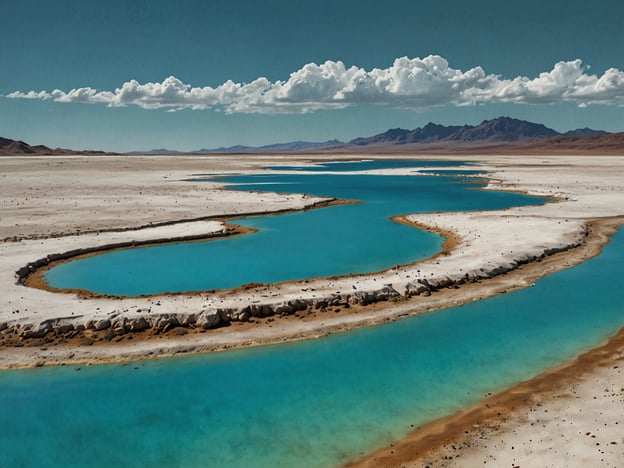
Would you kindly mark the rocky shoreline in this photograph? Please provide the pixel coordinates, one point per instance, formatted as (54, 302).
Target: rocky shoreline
(146, 321)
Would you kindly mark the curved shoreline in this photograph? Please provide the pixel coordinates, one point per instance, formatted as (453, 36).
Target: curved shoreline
(441, 439)
(93, 346)
(433, 443)
(33, 274)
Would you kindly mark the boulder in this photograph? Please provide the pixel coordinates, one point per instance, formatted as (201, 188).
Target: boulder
(102, 324)
(386, 293)
(38, 331)
(138, 324)
(361, 298)
(263, 310)
(208, 319)
(297, 305)
(187, 320)
(242, 315)
(166, 322)
(284, 309)
(65, 328)
(415, 289)
(119, 323)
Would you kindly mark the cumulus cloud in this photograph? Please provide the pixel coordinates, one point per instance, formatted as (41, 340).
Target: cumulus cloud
(409, 83)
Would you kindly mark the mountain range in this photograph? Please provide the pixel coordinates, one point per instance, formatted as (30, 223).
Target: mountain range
(502, 135)
(502, 129)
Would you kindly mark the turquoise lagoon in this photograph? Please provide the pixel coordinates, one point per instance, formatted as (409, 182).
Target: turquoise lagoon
(338, 240)
(316, 403)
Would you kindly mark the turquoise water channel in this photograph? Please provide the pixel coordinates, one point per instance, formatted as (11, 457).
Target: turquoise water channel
(316, 403)
(337, 240)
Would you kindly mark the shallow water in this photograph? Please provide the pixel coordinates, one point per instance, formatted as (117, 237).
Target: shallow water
(314, 403)
(338, 240)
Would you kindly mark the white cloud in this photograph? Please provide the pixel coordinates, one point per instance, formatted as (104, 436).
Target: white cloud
(30, 95)
(409, 83)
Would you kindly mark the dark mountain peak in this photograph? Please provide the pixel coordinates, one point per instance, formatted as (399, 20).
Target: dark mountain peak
(394, 135)
(10, 147)
(433, 126)
(431, 132)
(499, 129)
(503, 119)
(396, 132)
(585, 132)
(19, 147)
(503, 129)
(5, 142)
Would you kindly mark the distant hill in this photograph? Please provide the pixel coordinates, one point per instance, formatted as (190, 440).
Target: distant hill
(10, 147)
(292, 146)
(18, 147)
(285, 147)
(585, 132)
(156, 151)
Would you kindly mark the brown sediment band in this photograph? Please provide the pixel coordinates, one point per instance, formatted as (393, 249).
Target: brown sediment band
(451, 238)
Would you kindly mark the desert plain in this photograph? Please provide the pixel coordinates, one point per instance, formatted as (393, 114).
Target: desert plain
(50, 205)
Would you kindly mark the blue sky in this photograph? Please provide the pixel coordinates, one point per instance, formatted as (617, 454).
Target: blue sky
(96, 47)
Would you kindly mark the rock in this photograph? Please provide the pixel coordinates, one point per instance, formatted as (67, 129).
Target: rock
(415, 289)
(138, 324)
(387, 292)
(66, 328)
(497, 270)
(208, 319)
(297, 305)
(225, 314)
(243, 315)
(120, 323)
(39, 331)
(425, 283)
(187, 320)
(361, 298)
(3, 326)
(102, 324)
(284, 309)
(335, 300)
(260, 310)
(166, 322)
